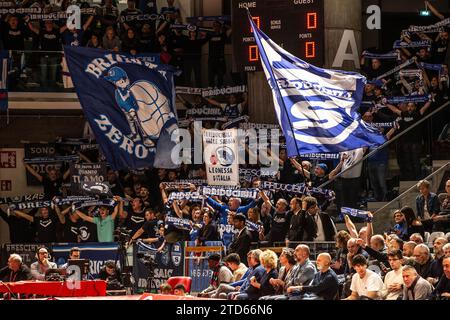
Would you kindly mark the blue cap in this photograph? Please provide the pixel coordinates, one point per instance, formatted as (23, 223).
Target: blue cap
(115, 74)
(323, 166)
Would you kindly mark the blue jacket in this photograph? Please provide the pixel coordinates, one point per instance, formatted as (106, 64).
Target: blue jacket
(227, 231)
(244, 277)
(433, 204)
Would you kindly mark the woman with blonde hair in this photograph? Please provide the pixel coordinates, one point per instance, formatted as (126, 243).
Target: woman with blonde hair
(269, 261)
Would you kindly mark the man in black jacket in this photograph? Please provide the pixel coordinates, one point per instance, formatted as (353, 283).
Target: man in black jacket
(241, 242)
(315, 225)
(325, 283)
(16, 270)
(294, 226)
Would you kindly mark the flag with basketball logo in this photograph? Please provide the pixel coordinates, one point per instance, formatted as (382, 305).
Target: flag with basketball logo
(221, 157)
(129, 103)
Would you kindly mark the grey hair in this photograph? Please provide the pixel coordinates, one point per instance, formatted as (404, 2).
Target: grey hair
(16, 257)
(423, 247)
(410, 268)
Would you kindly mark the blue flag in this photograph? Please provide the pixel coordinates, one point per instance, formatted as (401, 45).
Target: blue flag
(129, 103)
(316, 108)
(4, 59)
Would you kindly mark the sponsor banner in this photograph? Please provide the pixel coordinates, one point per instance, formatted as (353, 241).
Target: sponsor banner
(211, 191)
(97, 253)
(81, 173)
(221, 157)
(167, 263)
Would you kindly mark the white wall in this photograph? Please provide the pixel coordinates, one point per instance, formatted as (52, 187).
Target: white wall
(19, 186)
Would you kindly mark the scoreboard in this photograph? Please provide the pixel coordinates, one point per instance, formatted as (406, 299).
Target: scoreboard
(295, 25)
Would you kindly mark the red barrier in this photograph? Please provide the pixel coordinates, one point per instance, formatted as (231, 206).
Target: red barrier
(56, 288)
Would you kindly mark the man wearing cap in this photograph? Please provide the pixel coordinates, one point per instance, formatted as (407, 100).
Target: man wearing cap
(320, 175)
(241, 242)
(221, 274)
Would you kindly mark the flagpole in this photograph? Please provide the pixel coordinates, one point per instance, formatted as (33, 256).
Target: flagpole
(269, 69)
(388, 142)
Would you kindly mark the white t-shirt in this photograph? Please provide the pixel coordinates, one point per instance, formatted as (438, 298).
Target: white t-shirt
(370, 282)
(392, 277)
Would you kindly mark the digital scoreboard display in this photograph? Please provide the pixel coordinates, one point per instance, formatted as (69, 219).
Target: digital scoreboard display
(295, 25)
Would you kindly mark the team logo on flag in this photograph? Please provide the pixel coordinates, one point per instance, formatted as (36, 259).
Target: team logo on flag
(316, 108)
(129, 103)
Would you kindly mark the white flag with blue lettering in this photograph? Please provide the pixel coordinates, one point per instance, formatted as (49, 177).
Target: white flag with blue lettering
(316, 108)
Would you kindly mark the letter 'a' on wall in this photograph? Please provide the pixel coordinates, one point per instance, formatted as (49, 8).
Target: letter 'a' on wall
(374, 20)
(348, 37)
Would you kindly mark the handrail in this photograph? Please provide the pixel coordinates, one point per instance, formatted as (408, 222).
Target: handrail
(412, 187)
(387, 143)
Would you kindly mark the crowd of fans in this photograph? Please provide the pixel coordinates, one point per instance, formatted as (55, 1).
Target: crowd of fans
(396, 264)
(137, 29)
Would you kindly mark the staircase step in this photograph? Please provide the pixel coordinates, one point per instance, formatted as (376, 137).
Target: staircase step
(405, 185)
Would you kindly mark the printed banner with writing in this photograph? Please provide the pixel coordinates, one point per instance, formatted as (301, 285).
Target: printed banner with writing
(131, 111)
(86, 172)
(221, 157)
(40, 150)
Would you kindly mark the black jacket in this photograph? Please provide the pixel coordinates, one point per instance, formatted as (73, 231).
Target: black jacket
(241, 244)
(208, 233)
(307, 227)
(7, 275)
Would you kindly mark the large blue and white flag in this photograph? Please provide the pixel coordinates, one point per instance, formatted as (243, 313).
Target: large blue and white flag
(129, 103)
(4, 64)
(316, 108)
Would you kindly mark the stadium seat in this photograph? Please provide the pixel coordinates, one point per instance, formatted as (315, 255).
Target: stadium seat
(185, 281)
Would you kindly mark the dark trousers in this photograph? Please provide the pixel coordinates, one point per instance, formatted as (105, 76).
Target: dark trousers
(409, 160)
(193, 66)
(216, 68)
(350, 192)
